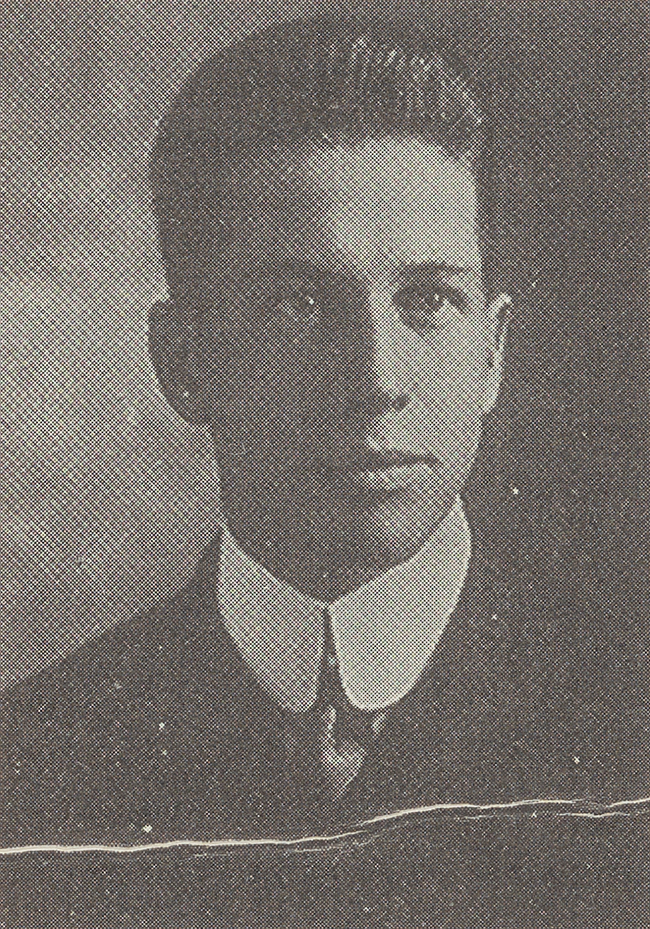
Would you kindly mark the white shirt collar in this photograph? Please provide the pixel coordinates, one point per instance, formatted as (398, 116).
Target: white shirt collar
(384, 632)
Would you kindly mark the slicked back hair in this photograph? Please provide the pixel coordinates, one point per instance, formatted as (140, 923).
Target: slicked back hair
(307, 81)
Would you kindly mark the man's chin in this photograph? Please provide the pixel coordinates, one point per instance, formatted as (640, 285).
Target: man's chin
(389, 529)
(327, 545)
(357, 520)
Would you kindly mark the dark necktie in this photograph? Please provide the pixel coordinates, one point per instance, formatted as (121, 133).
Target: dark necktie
(333, 738)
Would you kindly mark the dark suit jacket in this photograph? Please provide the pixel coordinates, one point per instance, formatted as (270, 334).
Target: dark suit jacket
(157, 730)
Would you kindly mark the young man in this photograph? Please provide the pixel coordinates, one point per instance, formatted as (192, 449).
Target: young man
(345, 649)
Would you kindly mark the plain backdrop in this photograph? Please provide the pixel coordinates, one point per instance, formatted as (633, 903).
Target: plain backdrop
(108, 498)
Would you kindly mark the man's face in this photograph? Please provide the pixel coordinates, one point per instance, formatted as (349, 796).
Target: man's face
(345, 360)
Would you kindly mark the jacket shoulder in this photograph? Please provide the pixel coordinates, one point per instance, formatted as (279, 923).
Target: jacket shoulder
(86, 729)
(122, 654)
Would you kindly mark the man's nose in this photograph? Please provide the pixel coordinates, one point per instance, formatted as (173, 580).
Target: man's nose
(379, 378)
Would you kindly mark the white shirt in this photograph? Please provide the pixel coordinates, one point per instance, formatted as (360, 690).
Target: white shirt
(384, 632)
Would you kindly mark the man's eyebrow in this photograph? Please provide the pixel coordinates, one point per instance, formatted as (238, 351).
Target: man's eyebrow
(334, 269)
(412, 269)
(405, 269)
(297, 266)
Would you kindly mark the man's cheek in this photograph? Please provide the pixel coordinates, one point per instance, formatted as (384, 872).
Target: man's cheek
(451, 427)
(264, 437)
(454, 382)
(450, 400)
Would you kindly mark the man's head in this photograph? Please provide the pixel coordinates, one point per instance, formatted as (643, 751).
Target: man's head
(322, 201)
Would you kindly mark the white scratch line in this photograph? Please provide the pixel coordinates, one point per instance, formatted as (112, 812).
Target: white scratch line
(593, 815)
(608, 809)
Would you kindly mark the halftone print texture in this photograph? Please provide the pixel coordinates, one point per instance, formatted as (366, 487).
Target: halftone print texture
(326, 591)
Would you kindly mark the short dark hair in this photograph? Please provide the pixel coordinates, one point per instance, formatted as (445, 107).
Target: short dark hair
(303, 80)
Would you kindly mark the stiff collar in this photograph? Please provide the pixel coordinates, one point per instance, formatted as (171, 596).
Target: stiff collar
(384, 632)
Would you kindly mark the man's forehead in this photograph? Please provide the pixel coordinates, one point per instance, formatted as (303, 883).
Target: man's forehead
(377, 204)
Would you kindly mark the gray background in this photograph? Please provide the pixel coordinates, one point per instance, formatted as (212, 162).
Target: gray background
(108, 497)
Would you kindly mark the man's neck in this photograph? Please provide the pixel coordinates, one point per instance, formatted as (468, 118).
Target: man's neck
(279, 629)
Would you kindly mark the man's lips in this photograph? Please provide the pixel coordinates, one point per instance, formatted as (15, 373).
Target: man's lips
(379, 475)
(374, 461)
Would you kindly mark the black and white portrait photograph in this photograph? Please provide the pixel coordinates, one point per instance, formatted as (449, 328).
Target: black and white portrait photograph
(325, 547)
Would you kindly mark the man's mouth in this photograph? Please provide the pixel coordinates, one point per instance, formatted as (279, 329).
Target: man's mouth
(375, 461)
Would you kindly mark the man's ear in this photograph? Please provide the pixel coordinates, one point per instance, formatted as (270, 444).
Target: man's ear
(173, 353)
(499, 311)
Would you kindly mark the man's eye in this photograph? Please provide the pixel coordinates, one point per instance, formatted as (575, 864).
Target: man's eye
(429, 307)
(298, 304)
